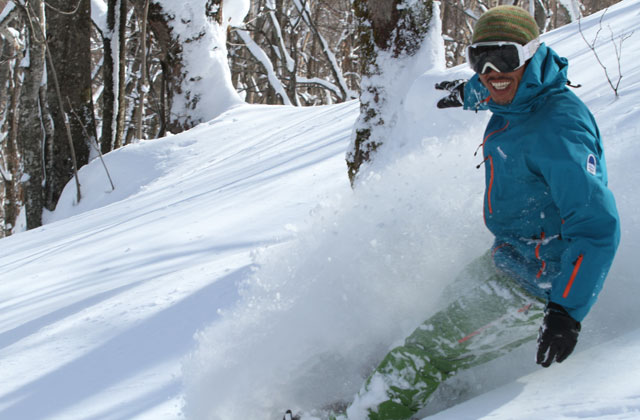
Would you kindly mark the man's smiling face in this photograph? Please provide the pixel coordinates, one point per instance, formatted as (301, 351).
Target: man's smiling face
(502, 86)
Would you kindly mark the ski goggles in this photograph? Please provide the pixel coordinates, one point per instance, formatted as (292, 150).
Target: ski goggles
(501, 56)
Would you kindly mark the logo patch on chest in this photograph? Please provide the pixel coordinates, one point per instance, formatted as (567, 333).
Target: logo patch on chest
(591, 164)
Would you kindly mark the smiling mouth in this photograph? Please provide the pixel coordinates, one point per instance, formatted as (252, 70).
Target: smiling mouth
(500, 85)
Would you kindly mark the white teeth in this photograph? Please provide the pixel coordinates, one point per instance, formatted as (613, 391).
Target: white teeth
(500, 85)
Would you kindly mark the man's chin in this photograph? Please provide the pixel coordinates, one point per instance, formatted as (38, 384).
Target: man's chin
(502, 99)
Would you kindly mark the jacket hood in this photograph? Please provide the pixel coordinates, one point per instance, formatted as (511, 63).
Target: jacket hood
(545, 74)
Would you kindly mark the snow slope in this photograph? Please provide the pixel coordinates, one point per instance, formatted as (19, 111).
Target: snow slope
(99, 308)
(232, 273)
(598, 383)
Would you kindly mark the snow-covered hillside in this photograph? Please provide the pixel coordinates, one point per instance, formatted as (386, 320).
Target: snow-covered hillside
(233, 273)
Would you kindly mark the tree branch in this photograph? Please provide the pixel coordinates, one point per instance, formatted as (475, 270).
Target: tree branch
(62, 12)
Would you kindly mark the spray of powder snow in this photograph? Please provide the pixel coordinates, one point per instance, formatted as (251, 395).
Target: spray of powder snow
(320, 312)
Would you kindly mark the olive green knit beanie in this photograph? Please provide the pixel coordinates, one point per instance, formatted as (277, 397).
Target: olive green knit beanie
(506, 23)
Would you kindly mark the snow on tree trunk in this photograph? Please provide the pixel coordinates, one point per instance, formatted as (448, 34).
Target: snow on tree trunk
(573, 8)
(393, 53)
(11, 47)
(107, 24)
(142, 86)
(204, 88)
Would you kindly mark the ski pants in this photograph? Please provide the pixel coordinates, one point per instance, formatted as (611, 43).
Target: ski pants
(487, 316)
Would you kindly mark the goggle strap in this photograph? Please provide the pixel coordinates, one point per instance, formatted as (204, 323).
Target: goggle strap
(530, 48)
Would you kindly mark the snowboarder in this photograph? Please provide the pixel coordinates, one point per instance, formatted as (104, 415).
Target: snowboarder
(547, 203)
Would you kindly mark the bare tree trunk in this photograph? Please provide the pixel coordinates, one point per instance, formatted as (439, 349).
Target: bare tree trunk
(107, 140)
(12, 201)
(170, 52)
(289, 66)
(122, 75)
(10, 74)
(30, 132)
(71, 61)
(142, 83)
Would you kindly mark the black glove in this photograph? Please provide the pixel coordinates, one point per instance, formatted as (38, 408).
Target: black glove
(456, 96)
(558, 335)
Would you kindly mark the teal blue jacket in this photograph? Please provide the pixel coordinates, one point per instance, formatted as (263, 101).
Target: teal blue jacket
(547, 200)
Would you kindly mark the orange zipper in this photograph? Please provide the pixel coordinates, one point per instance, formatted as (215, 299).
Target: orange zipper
(490, 187)
(490, 184)
(576, 268)
(544, 263)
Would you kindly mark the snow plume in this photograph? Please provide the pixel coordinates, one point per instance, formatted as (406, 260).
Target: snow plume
(318, 313)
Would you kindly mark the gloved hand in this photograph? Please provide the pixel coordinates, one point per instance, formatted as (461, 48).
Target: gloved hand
(558, 335)
(456, 93)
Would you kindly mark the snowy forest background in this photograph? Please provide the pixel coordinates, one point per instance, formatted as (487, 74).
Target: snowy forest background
(81, 78)
(233, 273)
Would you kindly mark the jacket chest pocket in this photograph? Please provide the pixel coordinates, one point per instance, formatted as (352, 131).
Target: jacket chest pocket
(501, 172)
(510, 167)
(511, 187)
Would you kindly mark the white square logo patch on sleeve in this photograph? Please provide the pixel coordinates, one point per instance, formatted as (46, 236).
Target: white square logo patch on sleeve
(591, 164)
